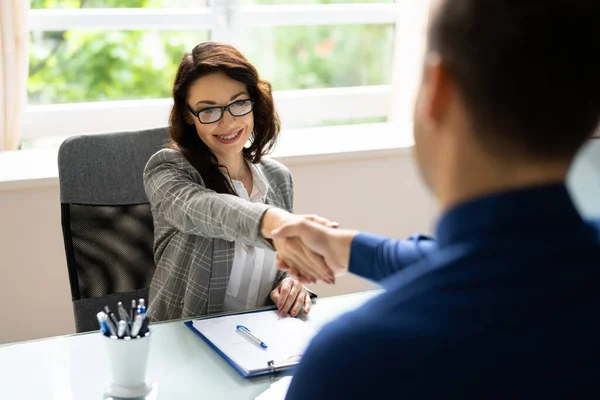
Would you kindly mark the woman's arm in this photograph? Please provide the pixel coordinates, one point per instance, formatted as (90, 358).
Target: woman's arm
(288, 197)
(192, 208)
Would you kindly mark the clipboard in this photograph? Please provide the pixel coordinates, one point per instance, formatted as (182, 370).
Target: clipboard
(286, 337)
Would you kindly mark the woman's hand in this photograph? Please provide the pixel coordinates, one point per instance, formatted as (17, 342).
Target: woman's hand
(331, 245)
(289, 296)
(292, 250)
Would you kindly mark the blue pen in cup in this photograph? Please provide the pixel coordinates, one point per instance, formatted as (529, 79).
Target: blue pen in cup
(141, 308)
(104, 325)
(125, 327)
(248, 335)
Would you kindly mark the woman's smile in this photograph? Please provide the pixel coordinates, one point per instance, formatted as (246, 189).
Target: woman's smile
(230, 137)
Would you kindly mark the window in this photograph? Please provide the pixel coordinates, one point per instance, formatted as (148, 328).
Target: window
(108, 65)
(70, 4)
(101, 65)
(310, 57)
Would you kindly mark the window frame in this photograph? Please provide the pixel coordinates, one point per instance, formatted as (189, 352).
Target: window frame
(222, 19)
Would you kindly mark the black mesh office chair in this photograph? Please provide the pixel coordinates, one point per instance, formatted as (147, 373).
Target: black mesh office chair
(106, 219)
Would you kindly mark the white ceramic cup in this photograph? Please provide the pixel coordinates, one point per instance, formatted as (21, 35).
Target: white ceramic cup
(127, 360)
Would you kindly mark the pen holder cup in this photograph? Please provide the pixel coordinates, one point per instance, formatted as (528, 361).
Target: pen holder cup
(127, 360)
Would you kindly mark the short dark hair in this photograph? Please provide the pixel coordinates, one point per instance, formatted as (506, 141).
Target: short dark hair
(528, 70)
(204, 59)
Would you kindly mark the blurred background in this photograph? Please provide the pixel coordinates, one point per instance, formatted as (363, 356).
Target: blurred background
(330, 61)
(344, 74)
(138, 64)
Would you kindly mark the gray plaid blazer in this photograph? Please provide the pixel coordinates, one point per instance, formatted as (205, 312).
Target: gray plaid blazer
(195, 229)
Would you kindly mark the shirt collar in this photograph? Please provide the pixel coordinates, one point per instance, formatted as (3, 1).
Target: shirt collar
(260, 186)
(510, 213)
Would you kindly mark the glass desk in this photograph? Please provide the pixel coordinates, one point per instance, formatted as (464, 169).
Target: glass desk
(180, 364)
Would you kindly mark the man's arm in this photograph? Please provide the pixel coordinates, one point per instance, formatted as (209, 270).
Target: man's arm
(372, 257)
(376, 257)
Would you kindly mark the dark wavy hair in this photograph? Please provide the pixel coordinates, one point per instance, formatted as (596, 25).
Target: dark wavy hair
(207, 58)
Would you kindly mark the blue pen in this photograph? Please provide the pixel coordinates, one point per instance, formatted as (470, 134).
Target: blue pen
(248, 335)
(103, 324)
(141, 308)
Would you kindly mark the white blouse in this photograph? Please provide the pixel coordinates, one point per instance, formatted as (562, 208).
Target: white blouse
(254, 269)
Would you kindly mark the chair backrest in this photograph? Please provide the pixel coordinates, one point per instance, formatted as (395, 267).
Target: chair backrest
(106, 219)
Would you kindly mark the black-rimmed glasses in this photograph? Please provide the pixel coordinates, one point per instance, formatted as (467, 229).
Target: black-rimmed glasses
(211, 115)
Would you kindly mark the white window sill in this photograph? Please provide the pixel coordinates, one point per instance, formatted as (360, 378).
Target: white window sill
(38, 167)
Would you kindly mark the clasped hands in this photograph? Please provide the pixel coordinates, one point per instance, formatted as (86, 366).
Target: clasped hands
(309, 247)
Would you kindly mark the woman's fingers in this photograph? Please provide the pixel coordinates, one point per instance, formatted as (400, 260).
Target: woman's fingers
(312, 265)
(291, 298)
(298, 302)
(307, 303)
(281, 264)
(284, 291)
(292, 255)
(323, 221)
(312, 236)
(319, 266)
(275, 295)
(290, 250)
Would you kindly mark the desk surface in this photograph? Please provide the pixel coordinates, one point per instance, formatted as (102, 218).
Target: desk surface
(180, 364)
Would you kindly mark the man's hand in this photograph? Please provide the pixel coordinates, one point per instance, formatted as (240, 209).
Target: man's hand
(292, 250)
(333, 245)
(290, 296)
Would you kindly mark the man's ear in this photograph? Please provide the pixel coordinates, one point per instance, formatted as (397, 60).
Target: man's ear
(439, 91)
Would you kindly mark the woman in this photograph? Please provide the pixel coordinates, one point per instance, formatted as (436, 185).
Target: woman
(215, 200)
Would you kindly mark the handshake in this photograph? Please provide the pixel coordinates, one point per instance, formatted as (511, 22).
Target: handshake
(309, 247)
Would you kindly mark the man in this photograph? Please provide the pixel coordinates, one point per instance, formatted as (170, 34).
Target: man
(506, 304)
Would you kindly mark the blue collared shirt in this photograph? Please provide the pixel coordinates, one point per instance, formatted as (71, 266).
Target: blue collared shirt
(504, 305)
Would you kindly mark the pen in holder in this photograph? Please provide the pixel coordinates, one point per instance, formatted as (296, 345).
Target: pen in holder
(127, 344)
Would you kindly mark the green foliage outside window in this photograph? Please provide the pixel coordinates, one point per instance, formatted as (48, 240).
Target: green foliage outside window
(98, 65)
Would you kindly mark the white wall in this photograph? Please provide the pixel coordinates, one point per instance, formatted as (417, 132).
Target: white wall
(381, 194)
